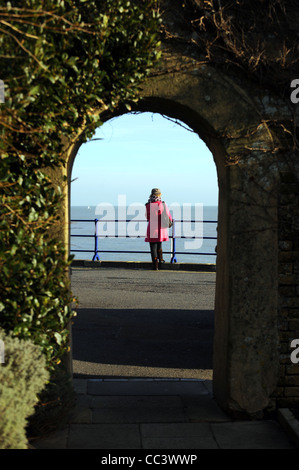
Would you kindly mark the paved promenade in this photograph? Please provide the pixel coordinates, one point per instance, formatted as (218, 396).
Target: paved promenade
(142, 360)
(143, 323)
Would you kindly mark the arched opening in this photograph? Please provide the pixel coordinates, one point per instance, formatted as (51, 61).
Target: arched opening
(113, 175)
(170, 186)
(245, 371)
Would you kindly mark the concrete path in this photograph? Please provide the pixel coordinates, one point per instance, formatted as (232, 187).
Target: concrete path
(143, 323)
(139, 414)
(142, 349)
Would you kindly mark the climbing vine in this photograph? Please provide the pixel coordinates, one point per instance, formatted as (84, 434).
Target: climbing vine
(61, 61)
(259, 39)
(252, 40)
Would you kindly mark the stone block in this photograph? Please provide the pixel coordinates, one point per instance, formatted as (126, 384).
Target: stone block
(171, 436)
(133, 409)
(292, 392)
(251, 435)
(104, 436)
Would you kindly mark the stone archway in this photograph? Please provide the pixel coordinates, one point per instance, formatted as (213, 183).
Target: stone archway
(228, 120)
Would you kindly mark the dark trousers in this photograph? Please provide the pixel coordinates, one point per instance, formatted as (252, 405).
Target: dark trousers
(155, 247)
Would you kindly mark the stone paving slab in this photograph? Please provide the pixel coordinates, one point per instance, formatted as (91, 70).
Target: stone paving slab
(174, 402)
(203, 408)
(290, 424)
(164, 421)
(143, 387)
(251, 435)
(172, 436)
(104, 436)
(143, 409)
(232, 435)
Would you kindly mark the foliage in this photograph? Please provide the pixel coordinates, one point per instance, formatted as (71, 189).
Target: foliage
(35, 296)
(62, 62)
(22, 376)
(55, 405)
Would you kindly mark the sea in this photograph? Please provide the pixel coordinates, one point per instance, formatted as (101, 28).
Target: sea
(118, 233)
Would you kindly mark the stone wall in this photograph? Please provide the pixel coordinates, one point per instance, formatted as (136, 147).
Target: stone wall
(288, 289)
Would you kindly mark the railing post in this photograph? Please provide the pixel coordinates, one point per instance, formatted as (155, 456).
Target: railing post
(173, 243)
(96, 256)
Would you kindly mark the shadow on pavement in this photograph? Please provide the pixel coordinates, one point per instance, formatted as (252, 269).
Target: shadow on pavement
(179, 339)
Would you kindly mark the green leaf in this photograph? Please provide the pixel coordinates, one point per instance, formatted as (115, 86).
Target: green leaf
(58, 338)
(35, 90)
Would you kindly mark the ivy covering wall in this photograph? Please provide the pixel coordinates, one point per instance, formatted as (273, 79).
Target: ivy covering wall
(61, 61)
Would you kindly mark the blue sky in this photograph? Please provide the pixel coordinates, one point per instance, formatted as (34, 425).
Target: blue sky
(140, 152)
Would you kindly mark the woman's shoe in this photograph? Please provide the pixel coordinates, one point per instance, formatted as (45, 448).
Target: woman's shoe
(155, 264)
(160, 257)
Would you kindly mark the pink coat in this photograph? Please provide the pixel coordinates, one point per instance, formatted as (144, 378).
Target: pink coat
(156, 233)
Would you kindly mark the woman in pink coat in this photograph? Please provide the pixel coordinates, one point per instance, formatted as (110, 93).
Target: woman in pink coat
(159, 220)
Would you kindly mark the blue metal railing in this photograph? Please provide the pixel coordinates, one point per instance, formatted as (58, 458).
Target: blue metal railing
(172, 237)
